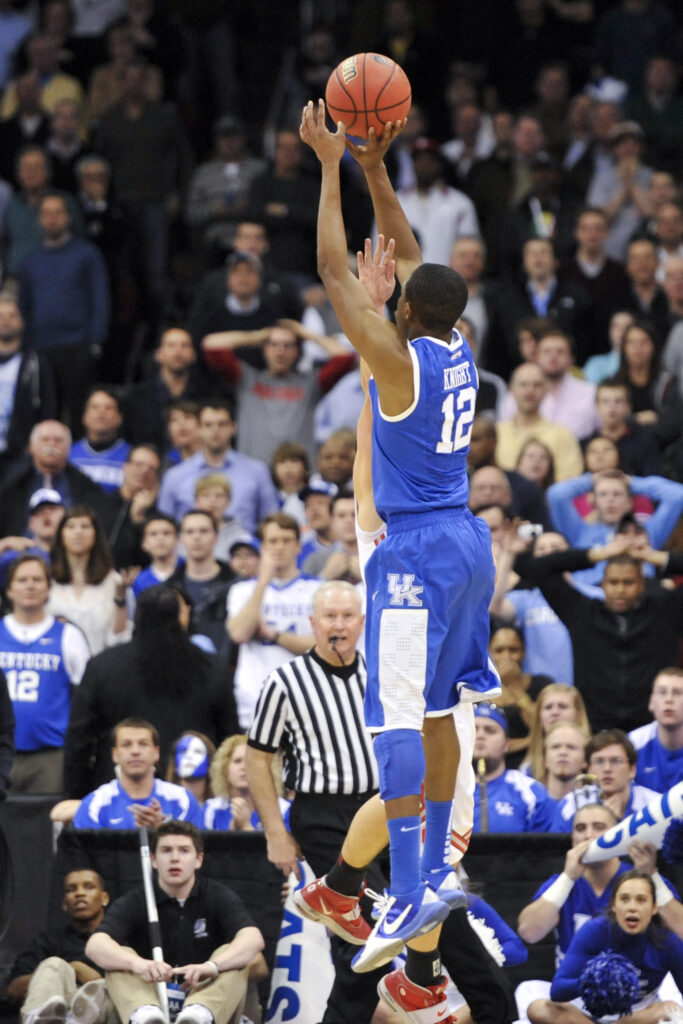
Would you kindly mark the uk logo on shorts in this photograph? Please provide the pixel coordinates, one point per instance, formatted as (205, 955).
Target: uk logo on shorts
(199, 930)
(403, 591)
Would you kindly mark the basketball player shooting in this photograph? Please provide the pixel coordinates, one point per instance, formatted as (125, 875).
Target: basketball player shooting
(430, 582)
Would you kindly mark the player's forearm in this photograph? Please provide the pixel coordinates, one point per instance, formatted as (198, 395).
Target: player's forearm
(263, 792)
(391, 220)
(332, 252)
(241, 951)
(109, 955)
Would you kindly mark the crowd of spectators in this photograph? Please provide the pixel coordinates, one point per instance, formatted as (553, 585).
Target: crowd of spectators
(178, 406)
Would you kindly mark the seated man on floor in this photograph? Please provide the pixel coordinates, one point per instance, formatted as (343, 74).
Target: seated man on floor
(53, 975)
(136, 797)
(204, 927)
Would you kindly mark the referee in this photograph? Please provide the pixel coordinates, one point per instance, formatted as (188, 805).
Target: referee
(311, 708)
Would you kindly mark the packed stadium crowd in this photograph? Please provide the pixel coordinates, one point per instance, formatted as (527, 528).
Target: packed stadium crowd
(178, 416)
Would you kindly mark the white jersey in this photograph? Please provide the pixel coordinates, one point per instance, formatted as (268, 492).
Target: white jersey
(287, 608)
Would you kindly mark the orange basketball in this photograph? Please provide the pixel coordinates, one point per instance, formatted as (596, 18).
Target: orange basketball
(367, 90)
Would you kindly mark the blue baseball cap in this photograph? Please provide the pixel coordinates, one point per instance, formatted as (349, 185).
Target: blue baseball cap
(496, 714)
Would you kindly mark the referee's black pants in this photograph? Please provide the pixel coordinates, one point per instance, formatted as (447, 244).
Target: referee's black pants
(319, 824)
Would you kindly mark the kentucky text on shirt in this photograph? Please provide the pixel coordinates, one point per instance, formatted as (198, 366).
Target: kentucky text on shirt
(29, 659)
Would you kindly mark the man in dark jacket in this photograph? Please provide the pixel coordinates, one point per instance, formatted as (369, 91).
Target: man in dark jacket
(6, 737)
(26, 385)
(620, 643)
(159, 676)
(45, 465)
(205, 578)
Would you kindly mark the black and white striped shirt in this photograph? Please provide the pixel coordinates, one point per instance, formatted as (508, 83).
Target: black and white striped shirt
(313, 712)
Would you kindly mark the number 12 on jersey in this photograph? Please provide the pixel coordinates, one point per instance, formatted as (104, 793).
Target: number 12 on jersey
(455, 432)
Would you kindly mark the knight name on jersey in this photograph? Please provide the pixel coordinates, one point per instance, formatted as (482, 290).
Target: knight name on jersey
(456, 376)
(30, 659)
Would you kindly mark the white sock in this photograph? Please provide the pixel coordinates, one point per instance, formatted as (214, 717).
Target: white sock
(195, 1012)
(146, 1013)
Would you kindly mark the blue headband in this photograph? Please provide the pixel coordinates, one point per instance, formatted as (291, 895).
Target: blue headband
(495, 713)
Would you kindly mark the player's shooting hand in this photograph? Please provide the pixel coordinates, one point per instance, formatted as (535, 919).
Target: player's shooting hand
(643, 855)
(372, 153)
(283, 851)
(150, 815)
(376, 271)
(313, 131)
(572, 862)
(196, 973)
(153, 970)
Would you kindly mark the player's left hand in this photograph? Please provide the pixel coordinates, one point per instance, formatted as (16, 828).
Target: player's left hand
(196, 973)
(150, 815)
(376, 271)
(314, 133)
(372, 153)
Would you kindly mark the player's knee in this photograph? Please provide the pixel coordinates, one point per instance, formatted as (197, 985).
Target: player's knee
(400, 761)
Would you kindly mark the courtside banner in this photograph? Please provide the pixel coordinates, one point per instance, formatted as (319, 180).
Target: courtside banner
(303, 974)
(648, 825)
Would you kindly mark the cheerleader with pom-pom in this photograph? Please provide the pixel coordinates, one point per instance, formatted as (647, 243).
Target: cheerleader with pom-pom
(615, 964)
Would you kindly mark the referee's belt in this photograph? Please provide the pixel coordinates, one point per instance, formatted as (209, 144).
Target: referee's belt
(357, 798)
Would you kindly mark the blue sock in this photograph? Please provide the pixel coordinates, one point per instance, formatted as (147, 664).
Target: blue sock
(404, 847)
(438, 835)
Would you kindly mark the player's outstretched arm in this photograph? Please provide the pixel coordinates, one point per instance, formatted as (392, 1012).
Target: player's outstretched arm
(372, 336)
(391, 220)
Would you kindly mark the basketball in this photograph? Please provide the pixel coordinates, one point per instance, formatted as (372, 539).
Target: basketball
(367, 90)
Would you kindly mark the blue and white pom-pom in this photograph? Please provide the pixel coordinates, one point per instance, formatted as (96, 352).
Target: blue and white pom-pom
(672, 844)
(609, 984)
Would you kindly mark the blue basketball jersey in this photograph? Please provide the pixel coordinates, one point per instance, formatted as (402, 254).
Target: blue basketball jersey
(39, 687)
(108, 806)
(419, 459)
(105, 467)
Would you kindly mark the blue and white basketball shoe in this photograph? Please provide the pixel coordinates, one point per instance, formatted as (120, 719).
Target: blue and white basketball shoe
(399, 920)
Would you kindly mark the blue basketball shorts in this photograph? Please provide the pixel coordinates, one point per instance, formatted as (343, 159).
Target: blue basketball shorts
(429, 586)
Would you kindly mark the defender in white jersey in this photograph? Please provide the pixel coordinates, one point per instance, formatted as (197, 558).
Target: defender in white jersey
(269, 617)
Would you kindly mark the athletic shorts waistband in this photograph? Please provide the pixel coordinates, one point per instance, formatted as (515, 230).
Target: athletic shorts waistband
(402, 521)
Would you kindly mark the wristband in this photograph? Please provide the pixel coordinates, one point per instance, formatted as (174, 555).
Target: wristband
(663, 893)
(558, 892)
(120, 602)
(218, 970)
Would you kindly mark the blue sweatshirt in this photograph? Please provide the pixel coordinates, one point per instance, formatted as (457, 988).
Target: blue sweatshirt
(64, 295)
